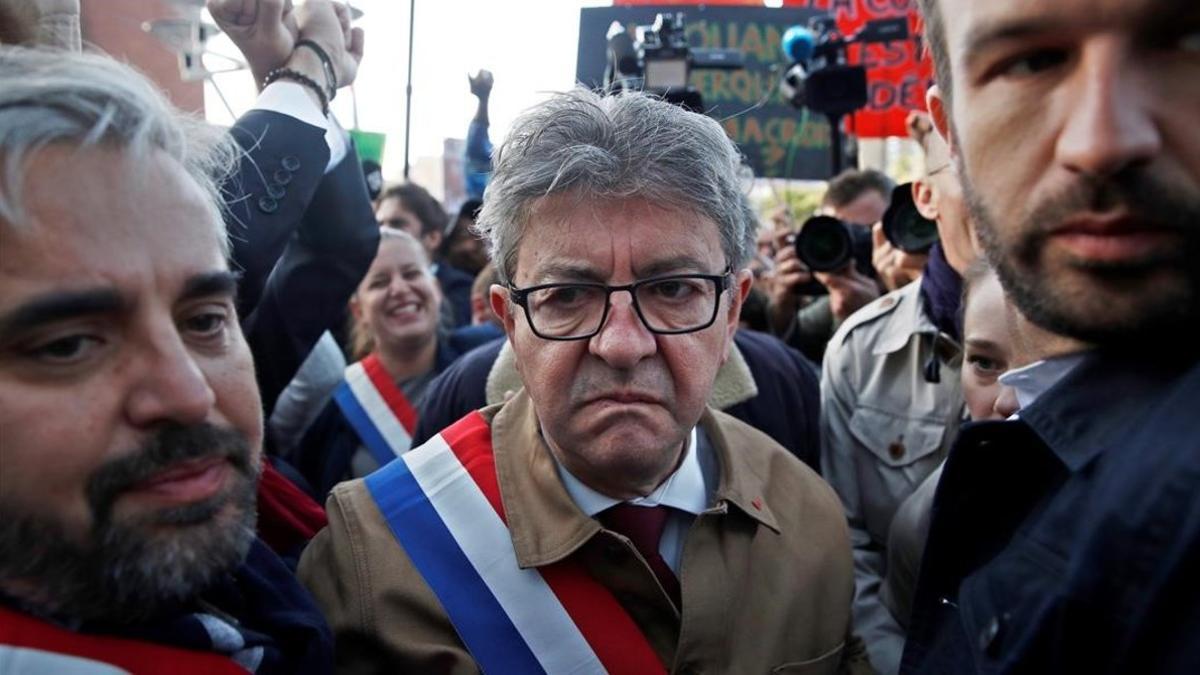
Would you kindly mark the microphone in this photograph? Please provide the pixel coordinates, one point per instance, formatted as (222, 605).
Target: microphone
(798, 43)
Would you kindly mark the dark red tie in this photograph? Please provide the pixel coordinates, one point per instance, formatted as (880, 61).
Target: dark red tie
(644, 526)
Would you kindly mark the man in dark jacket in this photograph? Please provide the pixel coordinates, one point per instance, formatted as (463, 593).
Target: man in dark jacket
(1068, 540)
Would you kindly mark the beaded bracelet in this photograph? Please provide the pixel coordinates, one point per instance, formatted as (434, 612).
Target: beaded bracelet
(326, 64)
(302, 79)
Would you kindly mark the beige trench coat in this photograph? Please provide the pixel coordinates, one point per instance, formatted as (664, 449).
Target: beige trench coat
(766, 575)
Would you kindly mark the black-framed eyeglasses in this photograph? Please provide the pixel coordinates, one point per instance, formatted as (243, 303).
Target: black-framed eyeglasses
(666, 305)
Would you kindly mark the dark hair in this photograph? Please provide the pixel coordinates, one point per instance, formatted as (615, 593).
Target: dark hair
(423, 205)
(935, 42)
(852, 184)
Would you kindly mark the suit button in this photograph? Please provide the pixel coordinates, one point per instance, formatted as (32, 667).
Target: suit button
(291, 162)
(989, 637)
(267, 205)
(276, 191)
(283, 176)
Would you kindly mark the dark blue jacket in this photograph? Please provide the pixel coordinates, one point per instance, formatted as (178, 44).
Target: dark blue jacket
(1069, 541)
(785, 409)
(301, 239)
(456, 288)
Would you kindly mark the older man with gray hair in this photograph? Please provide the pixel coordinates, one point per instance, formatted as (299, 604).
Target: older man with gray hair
(603, 519)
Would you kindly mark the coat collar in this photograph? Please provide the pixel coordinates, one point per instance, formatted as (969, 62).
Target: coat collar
(545, 523)
(1077, 418)
(734, 383)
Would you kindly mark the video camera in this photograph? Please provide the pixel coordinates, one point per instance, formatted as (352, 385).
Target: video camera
(660, 61)
(821, 77)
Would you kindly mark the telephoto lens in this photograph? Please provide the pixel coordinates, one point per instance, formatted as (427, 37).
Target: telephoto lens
(826, 244)
(904, 226)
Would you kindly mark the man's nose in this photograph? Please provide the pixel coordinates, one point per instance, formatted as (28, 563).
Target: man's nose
(623, 340)
(1110, 124)
(168, 384)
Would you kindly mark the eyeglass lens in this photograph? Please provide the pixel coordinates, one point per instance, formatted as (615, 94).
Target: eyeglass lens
(667, 305)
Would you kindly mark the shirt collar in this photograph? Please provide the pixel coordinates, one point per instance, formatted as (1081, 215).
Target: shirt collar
(1031, 381)
(684, 489)
(1077, 418)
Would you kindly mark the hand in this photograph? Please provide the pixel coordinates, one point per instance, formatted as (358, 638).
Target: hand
(328, 24)
(849, 290)
(790, 274)
(45, 23)
(895, 266)
(265, 31)
(481, 83)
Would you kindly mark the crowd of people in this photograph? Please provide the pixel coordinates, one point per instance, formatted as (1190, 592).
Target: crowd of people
(600, 418)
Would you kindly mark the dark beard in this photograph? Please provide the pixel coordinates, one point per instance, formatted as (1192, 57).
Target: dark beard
(127, 570)
(1164, 315)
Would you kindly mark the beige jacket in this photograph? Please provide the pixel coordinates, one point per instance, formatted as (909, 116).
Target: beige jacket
(884, 428)
(766, 571)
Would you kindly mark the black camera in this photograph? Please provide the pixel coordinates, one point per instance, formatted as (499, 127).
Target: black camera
(826, 244)
(904, 226)
(660, 61)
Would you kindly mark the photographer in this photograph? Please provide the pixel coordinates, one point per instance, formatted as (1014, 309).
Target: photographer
(807, 323)
(891, 399)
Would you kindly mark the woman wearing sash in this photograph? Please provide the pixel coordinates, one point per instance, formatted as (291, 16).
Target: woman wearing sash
(395, 339)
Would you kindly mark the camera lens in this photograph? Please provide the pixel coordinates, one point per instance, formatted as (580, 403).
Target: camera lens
(904, 226)
(824, 244)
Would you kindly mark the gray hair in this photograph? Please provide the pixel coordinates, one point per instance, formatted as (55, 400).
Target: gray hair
(49, 97)
(614, 148)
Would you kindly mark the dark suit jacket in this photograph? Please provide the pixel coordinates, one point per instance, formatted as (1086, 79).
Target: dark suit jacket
(302, 240)
(1069, 541)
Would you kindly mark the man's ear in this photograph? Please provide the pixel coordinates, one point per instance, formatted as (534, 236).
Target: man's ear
(939, 113)
(922, 194)
(743, 281)
(503, 307)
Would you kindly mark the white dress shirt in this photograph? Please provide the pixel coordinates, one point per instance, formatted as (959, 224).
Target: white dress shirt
(685, 491)
(292, 99)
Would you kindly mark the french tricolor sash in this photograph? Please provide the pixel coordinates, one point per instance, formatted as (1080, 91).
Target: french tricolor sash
(377, 409)
(42, 639)
(442, 503)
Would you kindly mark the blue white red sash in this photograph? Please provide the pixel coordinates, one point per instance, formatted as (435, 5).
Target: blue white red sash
(377, 409)
(26, 641)
(442, 503)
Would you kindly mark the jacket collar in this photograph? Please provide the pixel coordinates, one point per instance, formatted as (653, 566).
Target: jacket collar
(734, 383)
(1078, 417)
(546, 524)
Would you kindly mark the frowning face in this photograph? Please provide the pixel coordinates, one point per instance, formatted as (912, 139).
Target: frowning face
(615, 408)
